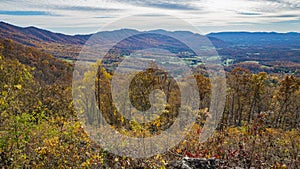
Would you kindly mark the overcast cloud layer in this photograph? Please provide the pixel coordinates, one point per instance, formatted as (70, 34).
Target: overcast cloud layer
(87, 16)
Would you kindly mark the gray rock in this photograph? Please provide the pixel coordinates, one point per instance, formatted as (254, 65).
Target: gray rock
(195, 163)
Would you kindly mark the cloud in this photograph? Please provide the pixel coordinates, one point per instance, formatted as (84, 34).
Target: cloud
(150, 15)
(83, 8)
(68, 15)
(104, 17)
(171, 4)
(274, 6)
(249, 13)
(286, 16)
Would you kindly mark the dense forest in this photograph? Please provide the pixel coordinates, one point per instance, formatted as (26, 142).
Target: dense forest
(39, 127)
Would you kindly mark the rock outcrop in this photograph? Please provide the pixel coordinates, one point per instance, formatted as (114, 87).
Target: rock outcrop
(195, 163)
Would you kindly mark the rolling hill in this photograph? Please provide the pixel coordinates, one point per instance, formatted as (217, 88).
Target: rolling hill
(32, 36)
(257, 51)
(46, 68)
(66, 46)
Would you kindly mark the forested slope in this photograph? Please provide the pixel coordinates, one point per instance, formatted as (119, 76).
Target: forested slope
(39, 127)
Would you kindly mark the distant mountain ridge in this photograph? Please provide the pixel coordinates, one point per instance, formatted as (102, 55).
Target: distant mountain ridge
(68, 46)
(258, 38)
(32, 35)
(29, 35)
(256, 49)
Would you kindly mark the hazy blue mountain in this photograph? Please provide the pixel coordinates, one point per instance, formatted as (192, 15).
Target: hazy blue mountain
(33, 36)
(259, 38)
(261, 48)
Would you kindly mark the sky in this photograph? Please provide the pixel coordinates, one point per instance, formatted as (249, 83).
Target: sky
(89, 16)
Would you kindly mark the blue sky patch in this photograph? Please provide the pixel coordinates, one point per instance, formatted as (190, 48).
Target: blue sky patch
(24, 13)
